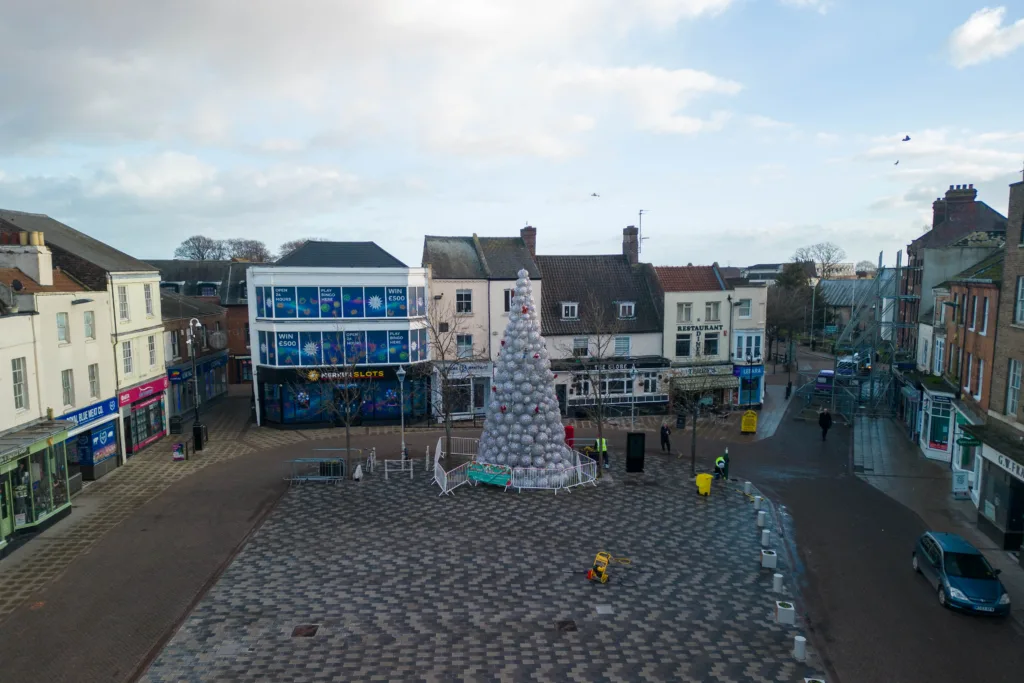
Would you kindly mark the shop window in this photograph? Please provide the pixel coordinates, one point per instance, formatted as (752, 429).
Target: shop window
(938, 432)
(711, 344)
(481, 388)
(996, 486)
(19, 383)
(616, 384)
(650, 382)
(42, 484)
(247, 370)
(458, 395)
(683, 345)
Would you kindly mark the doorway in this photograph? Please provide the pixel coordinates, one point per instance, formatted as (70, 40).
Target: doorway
(6, 511)
(561, 395)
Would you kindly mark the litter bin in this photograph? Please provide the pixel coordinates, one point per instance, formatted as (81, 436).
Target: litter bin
(681, 421)
(704, 484)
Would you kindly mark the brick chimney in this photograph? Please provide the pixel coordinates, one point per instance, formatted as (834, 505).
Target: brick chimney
(529, 235)
(631, 244)
(958, 204)
(30, 255)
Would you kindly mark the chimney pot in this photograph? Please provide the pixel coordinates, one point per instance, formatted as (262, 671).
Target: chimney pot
(631, 244)
(23, 238)
(529, 235)
(971, 186)
(951, 187)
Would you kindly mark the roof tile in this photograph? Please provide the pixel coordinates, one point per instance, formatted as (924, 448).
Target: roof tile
(61, 282)
(689, 278)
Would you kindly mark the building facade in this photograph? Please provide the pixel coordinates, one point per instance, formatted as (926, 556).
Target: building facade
(472, 282)
(210, 379)
(748, 307)
(602, 323)
(133, 288)
(331, 316)
(221, 283)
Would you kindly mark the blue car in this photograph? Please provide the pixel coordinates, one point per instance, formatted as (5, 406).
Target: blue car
(960, 573)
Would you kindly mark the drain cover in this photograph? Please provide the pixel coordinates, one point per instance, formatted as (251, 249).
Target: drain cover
(566, 626)
(604, 609)
(305, 630)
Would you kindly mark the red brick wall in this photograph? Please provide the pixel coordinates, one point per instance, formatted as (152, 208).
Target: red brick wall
(238, 341)
(1010, 336)
(180, 327)
(980, 347)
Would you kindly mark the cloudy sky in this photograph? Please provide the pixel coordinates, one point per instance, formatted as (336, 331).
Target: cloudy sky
(745, 128)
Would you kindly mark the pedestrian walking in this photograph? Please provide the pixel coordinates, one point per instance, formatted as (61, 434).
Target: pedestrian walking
(665, 445)
(825, 422)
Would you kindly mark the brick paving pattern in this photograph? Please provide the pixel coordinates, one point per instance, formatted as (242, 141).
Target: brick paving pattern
(404, 585)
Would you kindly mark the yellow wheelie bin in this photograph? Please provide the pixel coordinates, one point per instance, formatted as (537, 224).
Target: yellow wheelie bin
(704, 484)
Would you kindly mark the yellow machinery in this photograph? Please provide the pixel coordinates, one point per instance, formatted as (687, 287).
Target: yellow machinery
(600, 569)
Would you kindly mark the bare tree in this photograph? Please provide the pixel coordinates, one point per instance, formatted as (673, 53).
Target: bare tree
(866, 267)
(351, 386)
(291, 245)
(201, 248)
(785, 314)
(452, 345)
(826, 256)
(248, 250)
(689, 390)
(592, 373)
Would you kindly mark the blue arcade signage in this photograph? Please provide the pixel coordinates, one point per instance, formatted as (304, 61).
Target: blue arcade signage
(89, 414)
(748, 371)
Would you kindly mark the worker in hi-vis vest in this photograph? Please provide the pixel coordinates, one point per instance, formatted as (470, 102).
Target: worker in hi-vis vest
(602, 451)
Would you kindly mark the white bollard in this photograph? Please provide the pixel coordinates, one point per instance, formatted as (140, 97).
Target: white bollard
(799, 648)
(777, 583)
(757, 502)
(746, 487)
(410, 469)
(426, 459)
(766, 538)
(762, 517)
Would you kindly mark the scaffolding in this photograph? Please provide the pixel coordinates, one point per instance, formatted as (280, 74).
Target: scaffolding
(867, 351)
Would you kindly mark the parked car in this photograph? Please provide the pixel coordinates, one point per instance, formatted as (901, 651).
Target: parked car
(962, 577)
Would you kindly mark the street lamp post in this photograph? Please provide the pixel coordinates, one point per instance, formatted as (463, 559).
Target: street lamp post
(632, 409)
(401, 403)
(197, 427)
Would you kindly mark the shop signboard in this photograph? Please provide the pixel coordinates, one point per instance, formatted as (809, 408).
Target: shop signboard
(398, 346)
(284, 302)
(330, 302)
(355, 347)
(134, 394)
(748, 371)
(93, 413)
(703, 370)
(748, 425)
(288, 348)
(960, 485)
(104, 443)
(1011, 466)
(397, 302)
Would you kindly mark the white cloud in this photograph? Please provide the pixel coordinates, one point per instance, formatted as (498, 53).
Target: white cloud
(983, 37)
(941, 152)
(820, 6)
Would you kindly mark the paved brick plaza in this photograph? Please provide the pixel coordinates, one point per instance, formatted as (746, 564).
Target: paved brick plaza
(408, 586)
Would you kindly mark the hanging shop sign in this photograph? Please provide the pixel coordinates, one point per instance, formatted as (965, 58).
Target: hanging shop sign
(968, 441)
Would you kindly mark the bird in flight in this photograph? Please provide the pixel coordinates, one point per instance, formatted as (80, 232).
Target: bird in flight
(897, 163)
(906, 139)
(594, 194)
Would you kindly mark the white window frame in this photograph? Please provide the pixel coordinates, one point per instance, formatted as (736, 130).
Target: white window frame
(580, 347)
(744, 304)
(89, 323)
(684, 312)
(67, 386)
(984, 318)
(621, 345)
(94, 380)
(147, 290)
(1013, 387)
(1018, 307)
(152, 350)
(508, 296)
(19, 383)
(570, 310)
(463, 302)
(940, 347)
(124, 311)
(627, 310)
(981, 378)
(713, 311)
(126, 357)
(464, 346)
(974, 312)
(63, 328)
(970, 371)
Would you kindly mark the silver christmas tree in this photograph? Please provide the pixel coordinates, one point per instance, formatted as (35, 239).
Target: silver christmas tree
(523, 427)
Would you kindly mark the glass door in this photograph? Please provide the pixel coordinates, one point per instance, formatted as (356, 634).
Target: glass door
(6, 511)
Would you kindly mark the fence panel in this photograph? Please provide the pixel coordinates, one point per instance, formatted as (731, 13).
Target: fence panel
(329, 470)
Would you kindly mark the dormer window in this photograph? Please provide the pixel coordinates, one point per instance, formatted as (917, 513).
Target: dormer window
(570, 310)
(207, 289)
(627, 310)
(243, 291)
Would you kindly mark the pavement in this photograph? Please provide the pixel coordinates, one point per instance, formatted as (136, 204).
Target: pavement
(401, 584)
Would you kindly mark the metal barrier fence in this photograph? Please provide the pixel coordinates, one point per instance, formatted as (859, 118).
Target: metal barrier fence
(304, 470)
(398, 466)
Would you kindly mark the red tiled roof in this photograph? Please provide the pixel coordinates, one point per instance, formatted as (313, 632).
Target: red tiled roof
(688, 278)
(61, 282)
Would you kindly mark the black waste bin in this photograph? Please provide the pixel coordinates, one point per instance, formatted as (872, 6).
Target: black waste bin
(198, 437)
(175, 424)
(681, 421)
(635, 442)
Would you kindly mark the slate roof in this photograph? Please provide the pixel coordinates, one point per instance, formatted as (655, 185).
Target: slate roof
(730, 272)
(70, 240)
(690, 278)
(175, 307)
(478, 258)
(990, 268)
(339, 255)
(62, 282)
(980, 218)
(809, 268)
(605, 279)
(230, 277)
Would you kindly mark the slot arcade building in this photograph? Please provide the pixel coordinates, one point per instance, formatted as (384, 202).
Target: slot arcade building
(328, 307)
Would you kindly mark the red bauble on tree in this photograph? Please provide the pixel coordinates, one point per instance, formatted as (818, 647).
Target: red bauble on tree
(525, 309)
(504, 408)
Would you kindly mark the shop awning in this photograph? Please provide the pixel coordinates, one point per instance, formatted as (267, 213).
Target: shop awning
(706, 382)
(15, 443)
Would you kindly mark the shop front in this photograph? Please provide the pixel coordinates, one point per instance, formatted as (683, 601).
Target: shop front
(33, 480)
(712, 384)
(143, 414)
(966, 448)
(91, 445)
(937, 425)
(751, 389)
(315, 397)
(468, 391)
(213, 382)
(639, 384)
(1001, 489)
